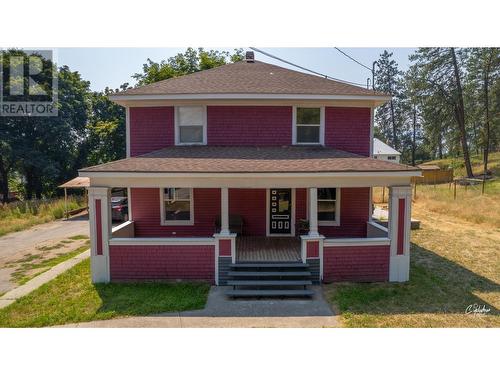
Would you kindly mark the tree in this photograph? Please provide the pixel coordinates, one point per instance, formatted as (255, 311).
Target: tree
(188, 62)
(389, 117)
(105, 130)
(484, 68)
(440, 73)
(42, 149)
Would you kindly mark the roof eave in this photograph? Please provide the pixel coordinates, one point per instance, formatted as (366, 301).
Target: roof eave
(124, 99)
(403, 173)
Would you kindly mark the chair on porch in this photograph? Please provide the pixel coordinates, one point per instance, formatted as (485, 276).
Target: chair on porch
(235, 224)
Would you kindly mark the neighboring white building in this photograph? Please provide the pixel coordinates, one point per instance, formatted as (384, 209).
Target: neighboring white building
(383, 151)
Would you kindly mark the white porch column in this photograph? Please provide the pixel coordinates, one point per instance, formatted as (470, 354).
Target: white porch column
(399, 232)
(224, 211)
(100, 232)
(313, 212)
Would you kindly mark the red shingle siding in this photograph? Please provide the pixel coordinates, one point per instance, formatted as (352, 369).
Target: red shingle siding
(98, 225)
(249, 125)
(251, 205)
(300, 204)
(312, 249)
(354, 206)
(348, 129)
(151, 128)
(147, 217)
(350, 263)
(224, 248)
(401, 226)
(162, 262)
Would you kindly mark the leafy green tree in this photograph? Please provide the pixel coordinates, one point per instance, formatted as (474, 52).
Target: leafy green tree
(42, 149)
(188, 62)
(105, 130)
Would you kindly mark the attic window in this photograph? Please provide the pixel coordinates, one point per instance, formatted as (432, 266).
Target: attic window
(190, 125)
(308, 127)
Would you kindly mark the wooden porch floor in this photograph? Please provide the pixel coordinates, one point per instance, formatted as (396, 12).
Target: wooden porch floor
(267, 249)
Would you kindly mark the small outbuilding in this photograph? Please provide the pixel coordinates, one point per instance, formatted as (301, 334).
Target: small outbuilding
(383, 151)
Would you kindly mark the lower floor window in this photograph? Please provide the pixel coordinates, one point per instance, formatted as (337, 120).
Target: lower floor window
(327, 206)
(177, 206)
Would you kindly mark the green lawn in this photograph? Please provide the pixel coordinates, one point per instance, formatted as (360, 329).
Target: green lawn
(72, 298)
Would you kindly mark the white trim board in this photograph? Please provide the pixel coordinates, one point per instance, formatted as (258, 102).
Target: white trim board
(338, 242)
(246, 182)
(177, 126)
(127, 131)
(160, 241)
(251, 174)
(321, 125)
(164, 222)
(336, 222)
(122, 98)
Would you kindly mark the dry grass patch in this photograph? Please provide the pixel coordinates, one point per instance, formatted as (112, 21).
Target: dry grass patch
(32, 265)
(18, 216)
(454, 264)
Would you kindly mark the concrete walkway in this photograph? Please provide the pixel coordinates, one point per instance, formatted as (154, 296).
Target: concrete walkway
(10, 297)
(222, 312)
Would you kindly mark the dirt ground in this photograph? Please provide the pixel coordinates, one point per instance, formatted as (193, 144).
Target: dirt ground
(27, 253)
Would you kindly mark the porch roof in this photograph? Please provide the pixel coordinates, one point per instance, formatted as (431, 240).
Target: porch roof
(246, 159)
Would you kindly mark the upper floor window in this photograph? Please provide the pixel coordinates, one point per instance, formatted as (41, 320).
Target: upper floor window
(328, 206)
(190, 125)
(177, 206)
(308, 126)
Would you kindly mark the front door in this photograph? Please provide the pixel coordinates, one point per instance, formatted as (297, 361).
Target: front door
(280, 211)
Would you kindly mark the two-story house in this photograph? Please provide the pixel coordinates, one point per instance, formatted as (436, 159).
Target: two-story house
(253, 168)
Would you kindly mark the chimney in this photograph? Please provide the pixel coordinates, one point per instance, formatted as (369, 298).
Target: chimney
(249, 56)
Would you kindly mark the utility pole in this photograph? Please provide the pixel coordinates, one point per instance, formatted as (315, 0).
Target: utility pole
(373, 75)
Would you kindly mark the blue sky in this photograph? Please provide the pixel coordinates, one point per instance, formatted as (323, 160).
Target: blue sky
(113, 66)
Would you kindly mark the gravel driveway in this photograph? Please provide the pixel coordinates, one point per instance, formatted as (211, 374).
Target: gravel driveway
(15, 246)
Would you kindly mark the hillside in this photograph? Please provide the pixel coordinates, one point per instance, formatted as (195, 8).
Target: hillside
(457, 164)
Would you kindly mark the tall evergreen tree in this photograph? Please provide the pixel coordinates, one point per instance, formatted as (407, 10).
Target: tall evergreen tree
(441, 72)
(390, 117)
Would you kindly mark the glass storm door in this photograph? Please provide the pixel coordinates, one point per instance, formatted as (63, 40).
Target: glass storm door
(280, 211)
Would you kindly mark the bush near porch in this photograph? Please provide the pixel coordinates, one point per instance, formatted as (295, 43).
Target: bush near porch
(72, 298)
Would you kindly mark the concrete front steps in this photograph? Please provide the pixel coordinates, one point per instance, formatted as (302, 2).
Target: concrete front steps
(277, 279)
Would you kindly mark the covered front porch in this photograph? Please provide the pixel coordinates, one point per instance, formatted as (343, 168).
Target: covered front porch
(128, 253)
(294, 204)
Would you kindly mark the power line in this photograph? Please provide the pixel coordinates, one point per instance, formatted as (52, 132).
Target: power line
(306, 69)
(353, 59)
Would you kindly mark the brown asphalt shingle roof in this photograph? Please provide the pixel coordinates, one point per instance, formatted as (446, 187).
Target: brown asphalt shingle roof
(249, 78)
(222, 159)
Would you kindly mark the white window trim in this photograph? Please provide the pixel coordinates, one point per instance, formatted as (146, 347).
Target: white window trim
(321, 126)
(336, 222)
(176, 222)
(177, 131)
